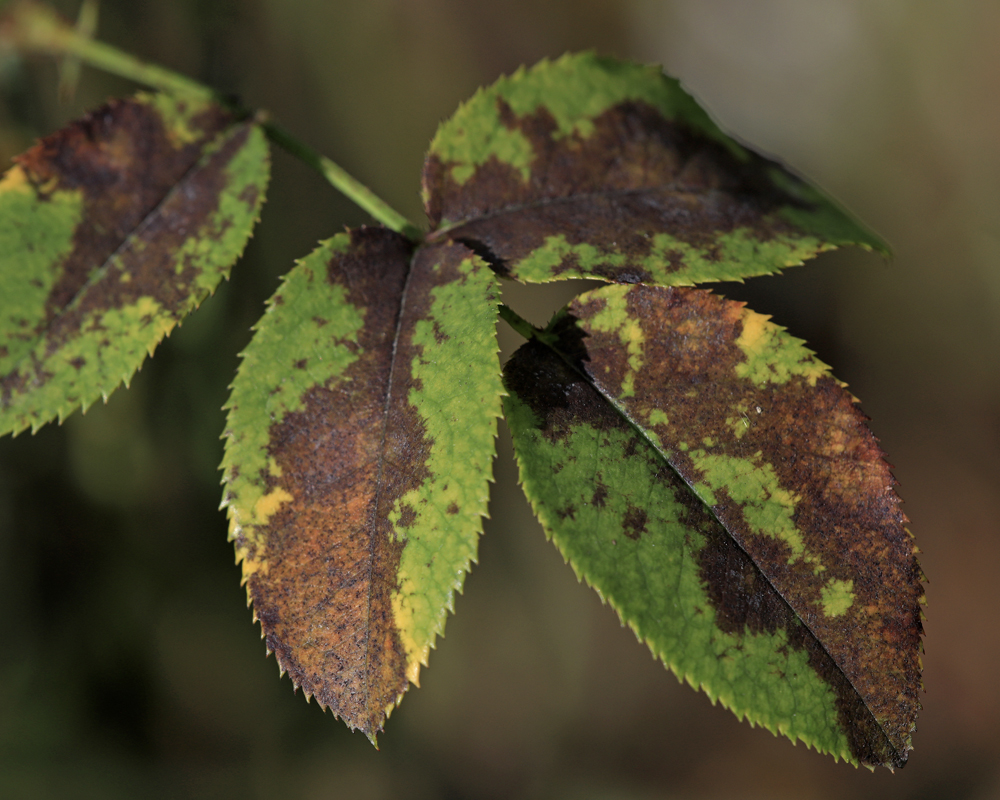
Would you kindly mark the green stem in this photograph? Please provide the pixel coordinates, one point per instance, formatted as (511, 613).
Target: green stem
(522, 326)
(344, 183)
(32, 27)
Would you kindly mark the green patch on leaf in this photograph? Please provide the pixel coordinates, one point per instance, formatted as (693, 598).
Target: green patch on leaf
(772, 356)
(838, 596)
(817, 215)
(767, 507)
(670, 261)
(614, 318)
(33, 237)
(540, 265)
(456, 393)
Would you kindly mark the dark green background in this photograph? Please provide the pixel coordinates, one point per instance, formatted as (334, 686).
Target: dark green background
(129, 666)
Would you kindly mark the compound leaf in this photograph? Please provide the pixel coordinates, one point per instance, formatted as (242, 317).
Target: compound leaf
(111, 231)
(588, 167)
(704, 472)
(360, 439)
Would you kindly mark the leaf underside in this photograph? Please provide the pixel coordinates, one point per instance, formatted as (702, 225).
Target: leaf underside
(360, 439)
(111, 231)
(593, 168)
(710, 478)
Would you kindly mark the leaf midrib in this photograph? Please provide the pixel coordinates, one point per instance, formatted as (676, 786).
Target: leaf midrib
(386, 406)
(672, 189)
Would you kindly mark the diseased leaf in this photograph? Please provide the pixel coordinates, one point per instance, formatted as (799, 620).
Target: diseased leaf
(588, 167)
(634, 531)
(359, 443)
(708, 476)
(111, 231)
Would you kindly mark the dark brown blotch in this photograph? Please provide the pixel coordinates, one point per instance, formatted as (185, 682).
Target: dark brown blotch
(634, 522)
(407, 516)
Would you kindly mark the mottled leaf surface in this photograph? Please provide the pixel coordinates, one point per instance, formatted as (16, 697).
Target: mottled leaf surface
(111, 231)
(588, 167)
(688, 424)
(360, 438)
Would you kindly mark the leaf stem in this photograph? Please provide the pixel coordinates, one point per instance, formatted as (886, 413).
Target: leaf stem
(29, 26)
(337, 177)
(522, 326)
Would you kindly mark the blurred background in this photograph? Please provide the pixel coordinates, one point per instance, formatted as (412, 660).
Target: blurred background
(129, 665)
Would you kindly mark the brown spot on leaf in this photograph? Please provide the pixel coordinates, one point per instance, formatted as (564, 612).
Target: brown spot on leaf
(407, 516)
(452, 509)
(439, 336)
(634, 522)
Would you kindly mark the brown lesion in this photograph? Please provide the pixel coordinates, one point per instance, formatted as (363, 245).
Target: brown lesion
(636, 175)
(634, 522)
(600, 496)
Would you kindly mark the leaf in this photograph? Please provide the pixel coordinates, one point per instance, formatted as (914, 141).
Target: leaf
(112, 230)
(360, 437)
(588, 167)
(710, 478)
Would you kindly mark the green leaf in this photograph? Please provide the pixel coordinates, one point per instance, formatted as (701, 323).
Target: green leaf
(112, 230)
(588, 167)
(711, 479)
(360, 437)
